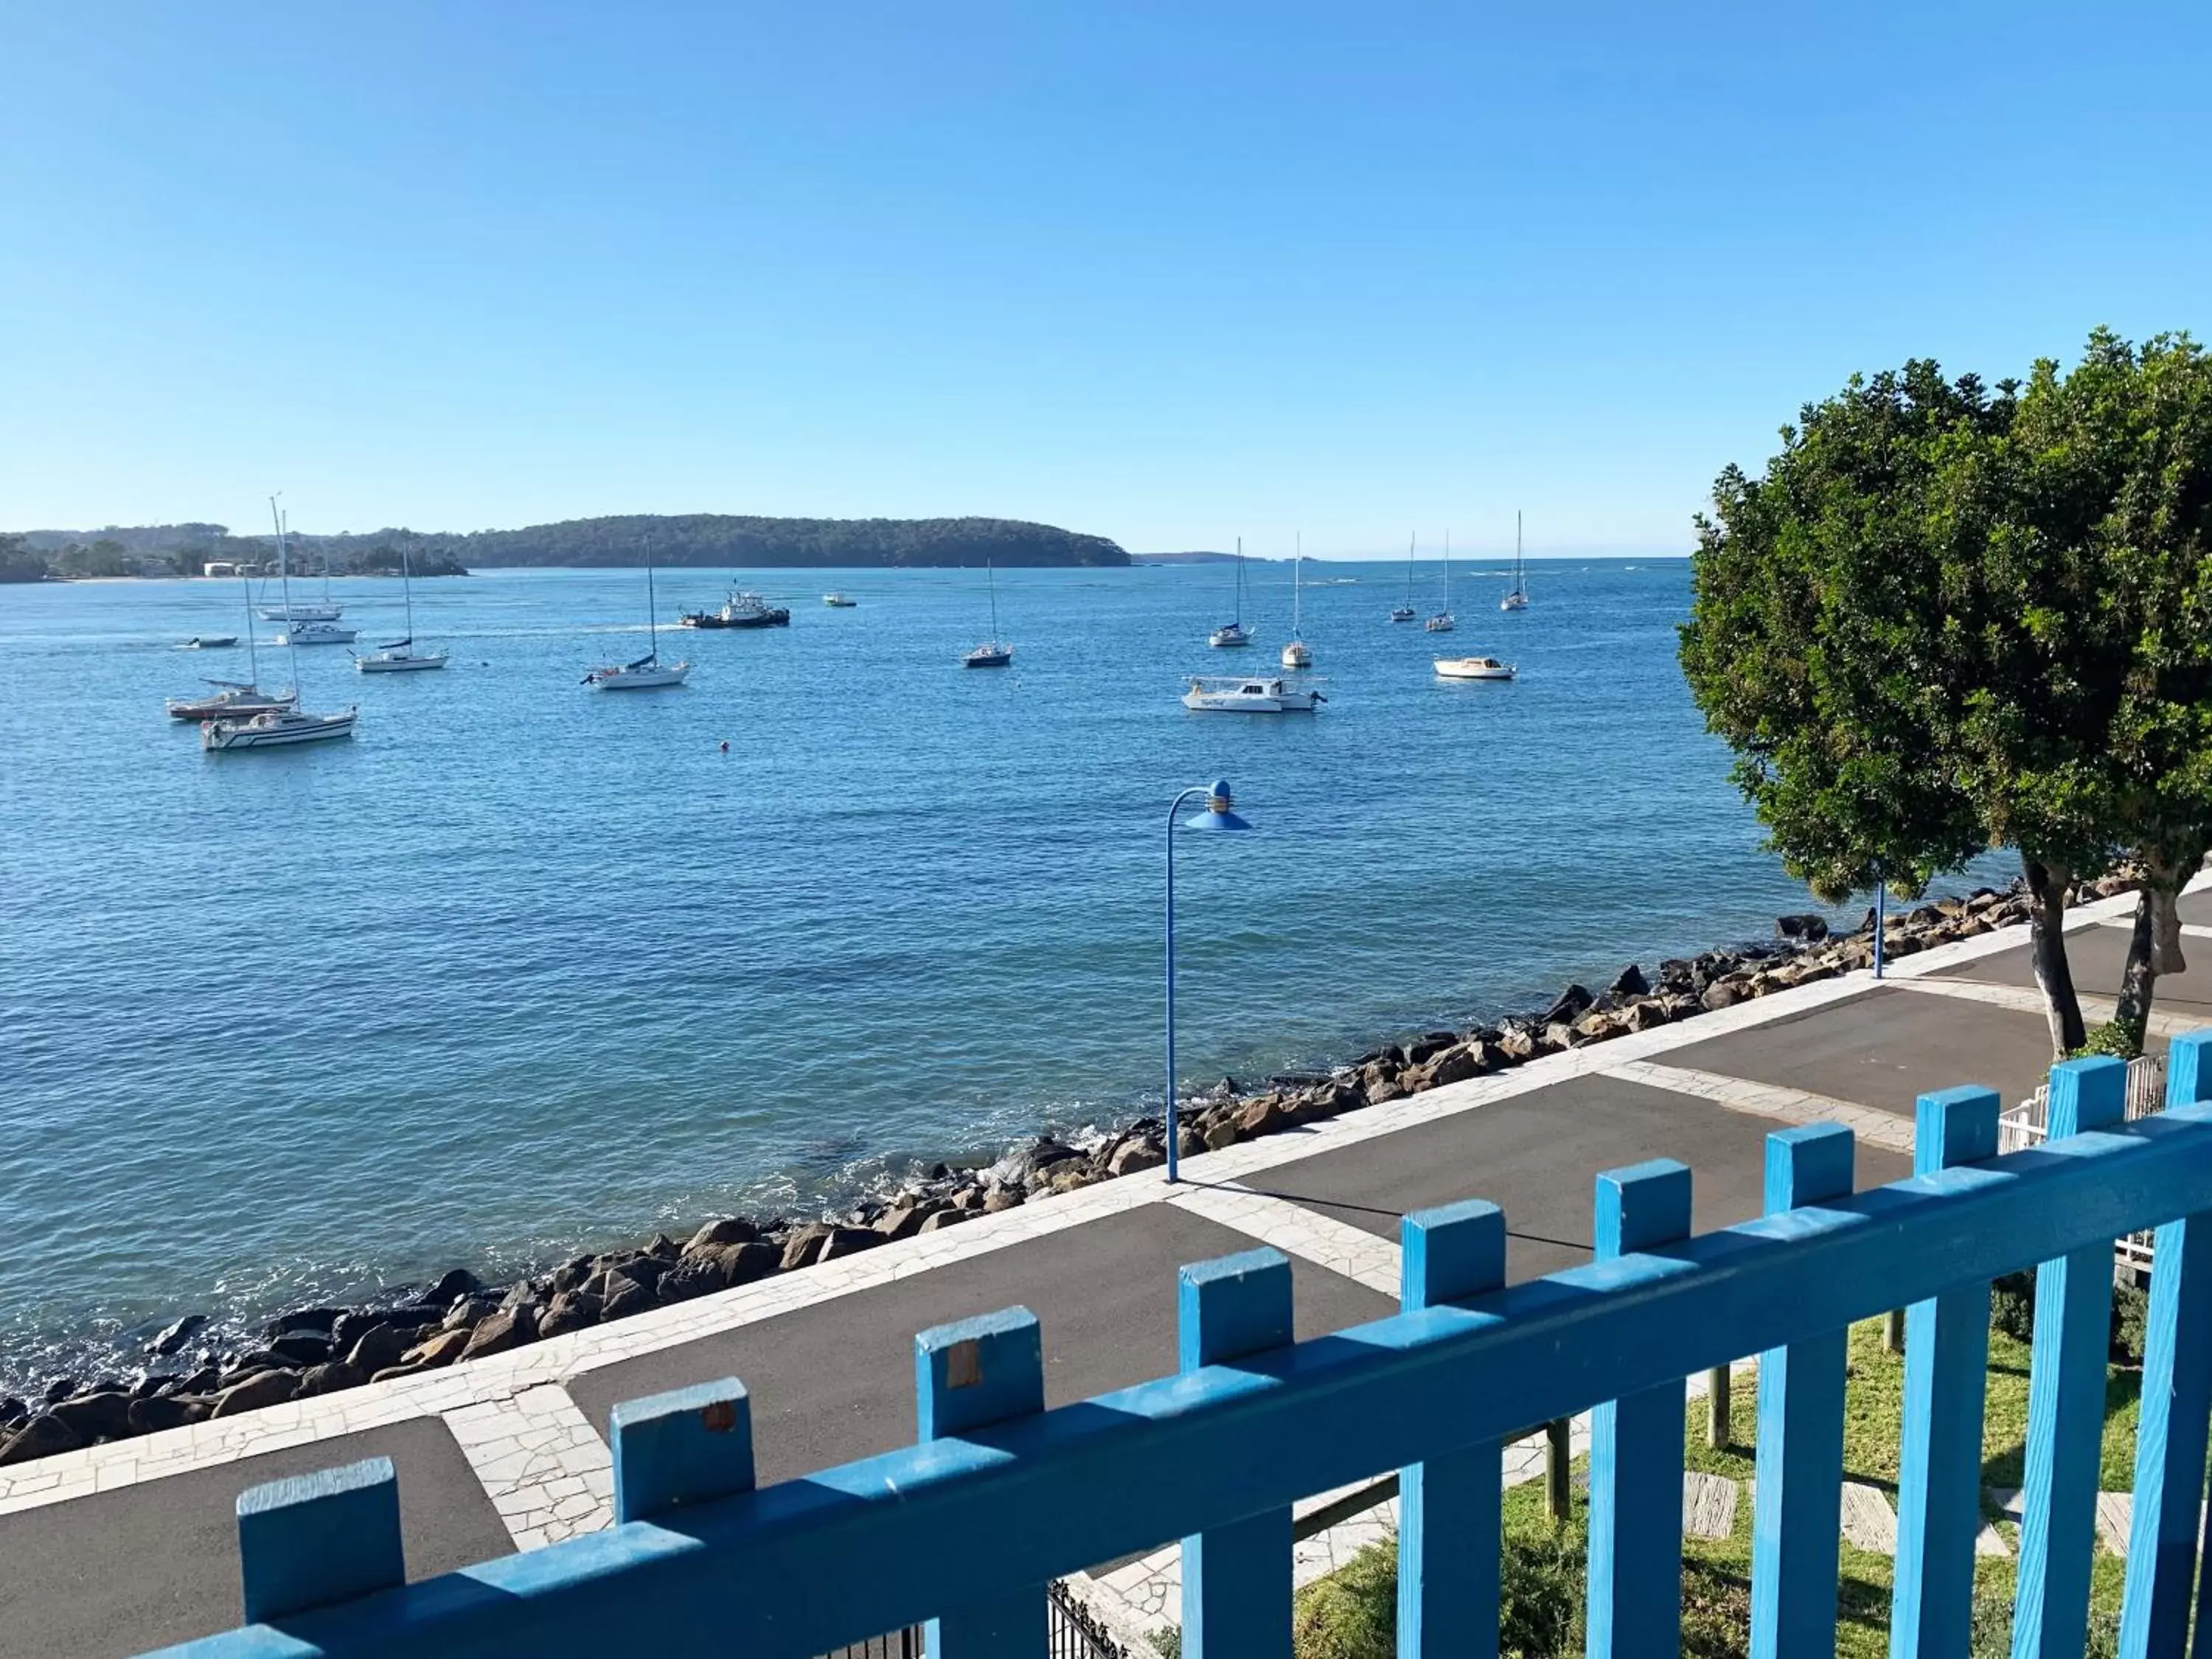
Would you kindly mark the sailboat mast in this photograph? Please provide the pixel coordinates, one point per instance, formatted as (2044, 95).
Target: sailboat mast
(284, 576)
(991, 584)
(253, 657)
(1448, 573)
(1298, 581)
(652, 631)
(1411, 536)
(407, 591)
(1520, 579)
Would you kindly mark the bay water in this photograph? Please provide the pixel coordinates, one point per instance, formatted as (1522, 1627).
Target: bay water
(526, 968)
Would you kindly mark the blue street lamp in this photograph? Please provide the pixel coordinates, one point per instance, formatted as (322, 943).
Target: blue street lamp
(1219, 814)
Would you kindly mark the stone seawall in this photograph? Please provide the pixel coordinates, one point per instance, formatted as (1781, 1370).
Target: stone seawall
(185, 1377)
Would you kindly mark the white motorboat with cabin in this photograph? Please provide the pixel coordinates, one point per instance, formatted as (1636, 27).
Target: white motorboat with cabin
(1474, 668)
(648, 672)
(316, 633)
(1233, 633)
(839, 601)
(400, 656)
(277, 728)
(302, 613)
(1263, 694)
(994, 652)
(1297, 654)
(1516, 597)
(1444, 622)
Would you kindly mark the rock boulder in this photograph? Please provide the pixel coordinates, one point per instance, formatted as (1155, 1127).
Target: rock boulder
(261, 1389)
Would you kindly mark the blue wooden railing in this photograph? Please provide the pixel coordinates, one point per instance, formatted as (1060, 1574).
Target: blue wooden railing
(1000, 1496)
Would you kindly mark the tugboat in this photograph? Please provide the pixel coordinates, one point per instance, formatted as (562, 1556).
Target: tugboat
(740, 609)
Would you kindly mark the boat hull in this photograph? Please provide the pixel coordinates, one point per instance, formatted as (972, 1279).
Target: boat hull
(241, 708)
(1451, 669)
(318, 634)
(229, 736)
(1228, 639)
(384, 663)
(1401, 614)
(1297, 656)
(1514, 602)
(300, 613)
(640, 679)
(987, 659)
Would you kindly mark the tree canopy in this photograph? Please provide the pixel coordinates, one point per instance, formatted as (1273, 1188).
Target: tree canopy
(1949, 617)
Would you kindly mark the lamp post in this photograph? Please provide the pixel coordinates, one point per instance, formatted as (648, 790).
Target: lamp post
(1881, 913)
(1219, 814)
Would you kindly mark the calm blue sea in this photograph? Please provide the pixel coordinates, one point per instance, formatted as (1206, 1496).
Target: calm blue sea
(526, 967)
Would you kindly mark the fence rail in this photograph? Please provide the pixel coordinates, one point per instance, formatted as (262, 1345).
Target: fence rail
(2028, 1124)
(967, 1530)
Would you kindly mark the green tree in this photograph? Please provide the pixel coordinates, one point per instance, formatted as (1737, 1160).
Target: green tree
(1944, 620)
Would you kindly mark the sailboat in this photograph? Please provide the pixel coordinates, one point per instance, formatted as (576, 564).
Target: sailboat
(1405, 612)
(1443, 622)
(1516, 598)
(400, 657)
(1234, 632)
(1297, 654)
(648, 672)
(237, 699)
(994, 652)
(276, 728)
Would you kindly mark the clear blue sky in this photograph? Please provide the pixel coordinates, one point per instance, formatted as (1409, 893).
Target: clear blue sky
(1169, 272)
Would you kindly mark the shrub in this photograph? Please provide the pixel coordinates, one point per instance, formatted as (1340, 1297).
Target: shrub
(2012, 1305)
(1353, 1613)
(2130, 1311)
(2123, 1037)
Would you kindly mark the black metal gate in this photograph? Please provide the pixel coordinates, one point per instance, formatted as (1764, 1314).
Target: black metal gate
(1072, 1633)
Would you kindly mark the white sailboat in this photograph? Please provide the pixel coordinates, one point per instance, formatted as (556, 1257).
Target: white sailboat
(1405, 612)
(1297, 654)
(994, 652)
(1234, 633)
(237, 699)
(1444, 622)
(400, 656)
(276, 728)
(648, 672)
(1516, 597)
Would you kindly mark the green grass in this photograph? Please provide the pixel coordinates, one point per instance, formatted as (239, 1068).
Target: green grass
(1352, 1614)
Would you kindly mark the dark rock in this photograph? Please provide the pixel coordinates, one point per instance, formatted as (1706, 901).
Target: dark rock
(627, 1297)
(1516, 1042)
(1573, 1003)
(904, 1220)
(804, 1247)
(1260, 1117)
(940, 1172)
(1423, 1049)
(320, 1320)
(731, 1230)
(998, 1199)
(440, 1348)
(13, 1410)
(352, 1327)
(1137, 1153)
(151, 1383)
(644, 1270)
(42, 1436)
(60, 1388)
(943, 1218)
(329, 1379)
(171, 1339)
(1455, 1065)
(201, 1381)
(695, 1275)
(570, 1310)
(1045, 1153)
(510, 1327)
(1629, 982)
(302, 1348)
(452, 1287)
(466, 1311)
(573, 1275)
(261, 1389)
(102, 1416)
(1720, 994)
(849, 1241)
(166, 1412)
(253, 1359)
(379, 1347)
(1807, 927)
(662, 1247)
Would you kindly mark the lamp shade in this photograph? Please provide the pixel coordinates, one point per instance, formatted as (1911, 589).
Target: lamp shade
(1220, 813)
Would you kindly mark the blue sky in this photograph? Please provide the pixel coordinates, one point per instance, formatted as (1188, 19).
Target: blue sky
(1167, 272)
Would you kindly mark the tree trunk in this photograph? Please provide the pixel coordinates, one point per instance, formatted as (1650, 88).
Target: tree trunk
(2046, 890)
(2154, 948)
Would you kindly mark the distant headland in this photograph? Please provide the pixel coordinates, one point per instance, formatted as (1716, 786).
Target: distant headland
(710, 539)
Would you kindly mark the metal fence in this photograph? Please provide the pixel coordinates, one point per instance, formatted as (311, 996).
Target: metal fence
(2028, 1124)
(970, 1527)
(1071, 1632)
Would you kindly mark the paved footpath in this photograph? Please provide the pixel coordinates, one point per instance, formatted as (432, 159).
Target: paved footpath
(121, 1548)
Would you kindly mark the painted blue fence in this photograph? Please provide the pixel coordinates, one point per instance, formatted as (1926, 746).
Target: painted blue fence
(965, 1529)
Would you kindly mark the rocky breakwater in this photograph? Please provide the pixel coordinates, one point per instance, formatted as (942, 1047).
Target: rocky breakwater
(184, 1378)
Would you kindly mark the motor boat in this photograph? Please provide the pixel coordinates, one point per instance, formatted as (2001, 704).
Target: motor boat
(316, 633)
(1474, 668)
(302, 613)
(275, 729)
(839, 601)
(400, 657)
(738, 610)
(208, 642)
(1268, 695)
(647, 673)
(236, 699)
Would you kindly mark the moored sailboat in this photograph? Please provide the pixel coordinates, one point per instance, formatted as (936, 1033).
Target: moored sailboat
(1297, 654)
(1444, 622)
(284, 726)
(648, 672)
(1516, 597)
(400, 656)
(1405, 612)
(994, 652)
(1234, 633)
(236, 699)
